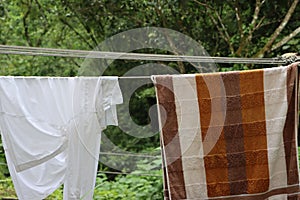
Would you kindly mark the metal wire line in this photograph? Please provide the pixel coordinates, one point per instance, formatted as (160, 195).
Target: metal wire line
(109, 172)
(121, 173)
(38, 51)
(129, 154)
(128, 173)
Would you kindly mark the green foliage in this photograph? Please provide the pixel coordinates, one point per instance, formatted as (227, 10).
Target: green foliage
(123, 187)
(82, 24)
(7, 188)
(129, 187)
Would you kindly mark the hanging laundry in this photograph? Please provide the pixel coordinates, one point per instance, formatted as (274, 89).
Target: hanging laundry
(51, 130)
(230, 135)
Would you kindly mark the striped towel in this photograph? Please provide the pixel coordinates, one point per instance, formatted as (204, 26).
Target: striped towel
(230, 135)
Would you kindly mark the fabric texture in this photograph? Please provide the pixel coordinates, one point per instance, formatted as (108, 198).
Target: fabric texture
(51, 130)
(230, 135)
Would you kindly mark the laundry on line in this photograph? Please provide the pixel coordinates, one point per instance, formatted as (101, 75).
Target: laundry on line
(230, 135)
(51, 130)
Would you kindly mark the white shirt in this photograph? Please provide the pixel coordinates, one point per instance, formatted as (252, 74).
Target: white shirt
(51, 131)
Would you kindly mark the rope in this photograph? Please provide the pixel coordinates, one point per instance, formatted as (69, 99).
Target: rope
(38, 51)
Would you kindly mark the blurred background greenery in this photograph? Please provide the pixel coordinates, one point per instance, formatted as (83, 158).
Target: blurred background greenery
(231, 28)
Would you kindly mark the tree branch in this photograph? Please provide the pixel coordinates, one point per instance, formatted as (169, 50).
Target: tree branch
(175, 50)
(221, 28)
(46, 26)
(89, 31)
(203, 4)
(259, 25)
(252, 27)
(42, 11)
(87, 28)
(258, 5)
(222, 34)
(278, 30)
(25, 25)
(238, 18)
(286, 39)
(76, 32)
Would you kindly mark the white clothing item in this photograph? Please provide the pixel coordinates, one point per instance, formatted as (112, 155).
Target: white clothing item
(83, 151)
(51, 131)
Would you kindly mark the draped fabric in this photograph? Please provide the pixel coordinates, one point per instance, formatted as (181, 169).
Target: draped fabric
(230, 135)
(51, 130)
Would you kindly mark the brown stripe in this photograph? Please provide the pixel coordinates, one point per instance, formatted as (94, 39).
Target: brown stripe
(165, 182)
(166, 99)
(288, 190)
(294, 197)
(289, 128)
(234, 135)
(216, 176)
(254, 127)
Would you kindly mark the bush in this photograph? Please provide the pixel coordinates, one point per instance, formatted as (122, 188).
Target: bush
(129, 187)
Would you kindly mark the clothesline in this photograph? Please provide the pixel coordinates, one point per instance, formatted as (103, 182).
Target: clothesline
(129, 154)
(121, 173)
(107, 172)
(38, 51)
(125, 154)
(129, 173)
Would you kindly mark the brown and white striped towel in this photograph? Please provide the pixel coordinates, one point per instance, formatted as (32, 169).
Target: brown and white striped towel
(230, 135)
